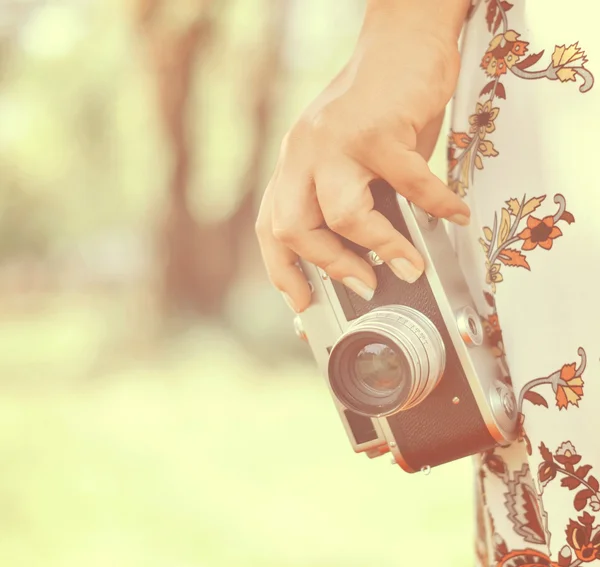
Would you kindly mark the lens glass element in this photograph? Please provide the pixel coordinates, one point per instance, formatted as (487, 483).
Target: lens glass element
(388, 360)
(379, 368)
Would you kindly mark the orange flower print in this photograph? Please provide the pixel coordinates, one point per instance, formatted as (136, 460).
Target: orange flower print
(584, 538)
(514, 231)
(567, 385)
(540, 232)
(504, 232)
(482, 122)
(567, 64)
(503, 52)
(567, 60)
(506, 52)
(570, 387)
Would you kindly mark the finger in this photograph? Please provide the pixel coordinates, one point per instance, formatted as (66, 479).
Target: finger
(298, 223)
(280, 262)
(348, 207)
(408, 173)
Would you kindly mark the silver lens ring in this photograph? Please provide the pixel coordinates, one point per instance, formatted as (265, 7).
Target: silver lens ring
(411, 338)
(426, 360)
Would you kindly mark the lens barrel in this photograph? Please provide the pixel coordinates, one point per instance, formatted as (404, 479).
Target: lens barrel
(387, 361)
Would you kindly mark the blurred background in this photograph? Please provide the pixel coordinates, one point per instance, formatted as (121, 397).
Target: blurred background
(156, 408)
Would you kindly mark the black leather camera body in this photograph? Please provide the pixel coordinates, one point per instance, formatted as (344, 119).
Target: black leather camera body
(410, 371)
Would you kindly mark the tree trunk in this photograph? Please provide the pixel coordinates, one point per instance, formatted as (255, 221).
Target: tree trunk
(265, 83)
(202, 262)
(173, 57)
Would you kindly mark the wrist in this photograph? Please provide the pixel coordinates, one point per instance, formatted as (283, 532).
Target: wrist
(443, 19)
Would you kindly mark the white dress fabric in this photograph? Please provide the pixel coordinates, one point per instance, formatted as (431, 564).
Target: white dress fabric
(524, 152)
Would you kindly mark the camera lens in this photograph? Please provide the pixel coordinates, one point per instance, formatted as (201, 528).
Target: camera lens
(388, 360)
(378, 368)
(370, 373)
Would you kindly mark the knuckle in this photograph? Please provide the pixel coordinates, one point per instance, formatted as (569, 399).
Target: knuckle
(444, 208)
(344, 217)
(420, 176)
(288, 140)
(343, 220)
(293, 139)
(367, 141)
(322, 121)
(340, 265)
(276, 280)
(374, 138)
(260, 228)
(417, 184)
(324, 124)
(403, 128)
(285, 143)
(410, 191)
(404, 121)
(286, 233)
(333, 269)
(381, 243)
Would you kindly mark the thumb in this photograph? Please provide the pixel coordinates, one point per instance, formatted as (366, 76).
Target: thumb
(427, 138)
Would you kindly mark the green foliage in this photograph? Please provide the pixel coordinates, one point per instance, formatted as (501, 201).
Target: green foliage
(191, 454)
(195, 455)
(80, 142)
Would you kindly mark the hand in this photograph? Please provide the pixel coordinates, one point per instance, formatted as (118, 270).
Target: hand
(370, 122)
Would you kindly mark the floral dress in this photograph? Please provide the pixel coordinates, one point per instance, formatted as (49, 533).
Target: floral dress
(524, 153)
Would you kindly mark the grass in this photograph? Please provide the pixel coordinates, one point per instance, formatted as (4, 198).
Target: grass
(195, 455)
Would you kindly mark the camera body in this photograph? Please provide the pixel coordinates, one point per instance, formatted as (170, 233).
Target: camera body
(410, 371)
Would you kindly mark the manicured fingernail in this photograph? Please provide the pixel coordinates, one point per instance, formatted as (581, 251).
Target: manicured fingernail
(405, 270)
(290, 302)
(360, 288)
(462, 220)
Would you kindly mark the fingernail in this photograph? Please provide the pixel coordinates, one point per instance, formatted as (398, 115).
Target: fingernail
(462, 220)
(360, 288)
(405, 270)
(290, 302)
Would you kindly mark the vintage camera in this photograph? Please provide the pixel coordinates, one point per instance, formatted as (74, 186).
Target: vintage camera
(410, 370)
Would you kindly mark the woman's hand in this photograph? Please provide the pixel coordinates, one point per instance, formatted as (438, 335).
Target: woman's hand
(376, 119)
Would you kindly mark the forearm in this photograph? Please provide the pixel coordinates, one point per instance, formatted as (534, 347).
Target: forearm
(443, 18)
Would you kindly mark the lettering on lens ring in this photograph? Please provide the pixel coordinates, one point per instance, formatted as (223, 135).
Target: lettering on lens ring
(416, 330)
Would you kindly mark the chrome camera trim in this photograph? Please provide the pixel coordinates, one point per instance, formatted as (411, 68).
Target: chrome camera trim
(324, 322)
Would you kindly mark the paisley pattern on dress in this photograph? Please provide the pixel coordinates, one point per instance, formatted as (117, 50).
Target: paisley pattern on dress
(505, 59)
(538, 501)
